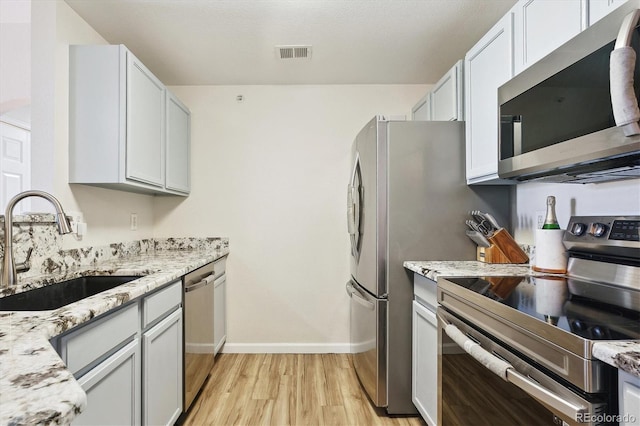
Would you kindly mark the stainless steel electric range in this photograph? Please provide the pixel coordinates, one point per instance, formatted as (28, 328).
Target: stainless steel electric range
(518, 350)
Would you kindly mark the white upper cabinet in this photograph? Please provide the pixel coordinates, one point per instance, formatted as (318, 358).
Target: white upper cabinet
(487, 66)
(422, 110)
(445, 101)
(540, 26)
(145, 124)
(446, 96)
(178, 144)
(119, 117)
(598, 9)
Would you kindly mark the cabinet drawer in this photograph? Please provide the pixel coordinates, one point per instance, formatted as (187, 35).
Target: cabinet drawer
(161, 302)
(425, 291)
(88, 344)
(219, 267)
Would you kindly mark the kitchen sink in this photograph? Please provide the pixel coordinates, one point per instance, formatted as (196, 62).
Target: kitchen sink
(63, 293)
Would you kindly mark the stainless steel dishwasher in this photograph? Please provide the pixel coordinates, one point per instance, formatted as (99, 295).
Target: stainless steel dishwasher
(199, 342)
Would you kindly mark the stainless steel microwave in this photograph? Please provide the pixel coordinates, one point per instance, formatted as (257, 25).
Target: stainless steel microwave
(557, 122)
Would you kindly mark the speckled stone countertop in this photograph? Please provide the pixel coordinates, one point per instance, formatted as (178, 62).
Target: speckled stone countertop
(623, 355)
(35, 386)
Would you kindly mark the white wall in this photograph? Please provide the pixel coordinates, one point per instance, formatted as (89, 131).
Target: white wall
(56, 26)
(612, 198)
(271, 173)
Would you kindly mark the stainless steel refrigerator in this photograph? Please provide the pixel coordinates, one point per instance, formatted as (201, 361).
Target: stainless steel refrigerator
(407, 200)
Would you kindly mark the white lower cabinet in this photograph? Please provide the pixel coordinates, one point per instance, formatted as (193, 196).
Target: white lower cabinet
(129, 362)
(424, 383)
(629, 399)
(425, 363)
(162, 372)
(113, 389)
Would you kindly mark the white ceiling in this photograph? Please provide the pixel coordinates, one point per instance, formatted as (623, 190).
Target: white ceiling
(229, 42)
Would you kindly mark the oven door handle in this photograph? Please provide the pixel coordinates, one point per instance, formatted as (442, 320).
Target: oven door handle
(545, 396)
(507, 372)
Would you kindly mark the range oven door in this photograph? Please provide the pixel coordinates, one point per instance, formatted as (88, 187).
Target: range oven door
(483, 382)
(368, 341)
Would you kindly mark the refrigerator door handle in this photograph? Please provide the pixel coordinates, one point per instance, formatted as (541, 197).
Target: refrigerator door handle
(356, 295)
(353, 207)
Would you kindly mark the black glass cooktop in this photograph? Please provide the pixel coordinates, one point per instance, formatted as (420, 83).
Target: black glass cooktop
(565, 303)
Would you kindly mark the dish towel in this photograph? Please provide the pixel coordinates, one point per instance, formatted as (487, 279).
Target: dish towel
(623, 98)
(493, 363)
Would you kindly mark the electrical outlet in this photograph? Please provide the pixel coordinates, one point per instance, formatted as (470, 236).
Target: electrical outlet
(540, 215)
(76, 218)
(134, 221)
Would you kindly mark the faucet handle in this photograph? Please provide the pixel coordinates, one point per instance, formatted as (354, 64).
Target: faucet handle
(26, 265)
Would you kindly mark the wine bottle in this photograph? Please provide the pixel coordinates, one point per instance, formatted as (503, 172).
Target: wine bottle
(551, 221)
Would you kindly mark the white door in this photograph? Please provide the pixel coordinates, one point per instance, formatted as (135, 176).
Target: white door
(488, 65)
(145, 124)
(162, 371)
(598, 9)
(543, 25)
(220, 312)
(446, 96)
(113, 389)
(425, 363)
(15, 164)
(178, 141)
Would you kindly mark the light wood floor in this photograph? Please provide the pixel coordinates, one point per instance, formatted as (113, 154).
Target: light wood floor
(286, 389)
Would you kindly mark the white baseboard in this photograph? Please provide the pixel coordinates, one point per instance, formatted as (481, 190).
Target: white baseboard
(200, 348)
(286, 348)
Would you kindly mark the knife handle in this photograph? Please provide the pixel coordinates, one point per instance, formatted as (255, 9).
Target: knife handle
(507, 245)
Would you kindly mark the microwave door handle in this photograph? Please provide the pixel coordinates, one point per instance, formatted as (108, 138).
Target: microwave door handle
(507, 372)
(627, 27)
(621, 71)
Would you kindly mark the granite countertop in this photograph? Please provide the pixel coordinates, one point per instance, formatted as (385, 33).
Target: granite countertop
(35, 385)
(622, 355)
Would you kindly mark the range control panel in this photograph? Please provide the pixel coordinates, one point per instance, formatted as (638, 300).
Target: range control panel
(600, 233)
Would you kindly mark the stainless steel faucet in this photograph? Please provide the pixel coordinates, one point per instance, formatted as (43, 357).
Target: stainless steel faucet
(8, 277)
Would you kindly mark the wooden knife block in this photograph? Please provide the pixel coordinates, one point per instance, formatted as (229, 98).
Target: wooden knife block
(503, 249)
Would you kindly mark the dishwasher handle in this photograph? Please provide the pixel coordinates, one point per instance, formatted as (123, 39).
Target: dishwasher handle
(203, 282)
(507, 372)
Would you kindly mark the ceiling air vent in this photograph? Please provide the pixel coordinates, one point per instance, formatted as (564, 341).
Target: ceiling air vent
(293, 52)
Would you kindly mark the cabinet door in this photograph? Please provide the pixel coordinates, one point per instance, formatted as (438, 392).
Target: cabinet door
(629, 399)
(598, 9)
(422, 110)
(178, 144)
(487, 66)
(145, 124)
(543, 25)
(446, 96)
(162, 371)
(425, 363)
(113, 389)
(220, 312)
